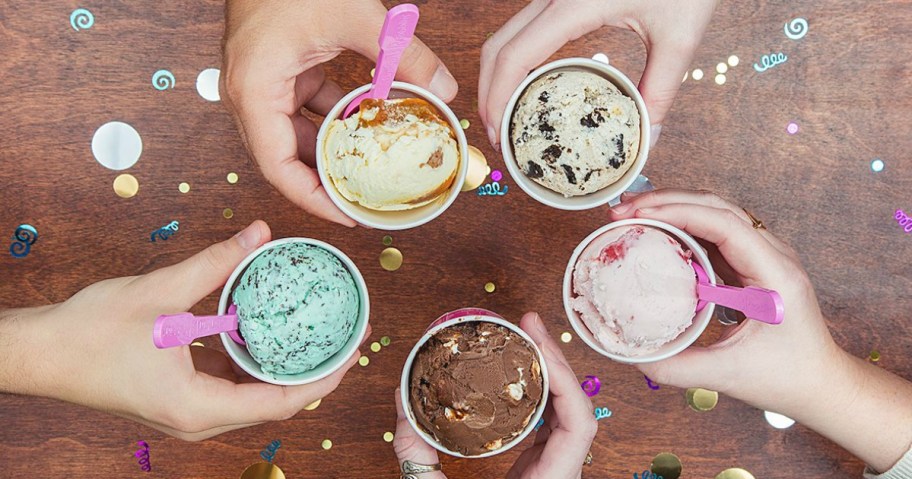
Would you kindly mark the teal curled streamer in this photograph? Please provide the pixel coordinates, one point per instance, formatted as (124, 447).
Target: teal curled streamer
(23, 239)
(81, 19)
(769, 61)
(163, 80)
(492, 189)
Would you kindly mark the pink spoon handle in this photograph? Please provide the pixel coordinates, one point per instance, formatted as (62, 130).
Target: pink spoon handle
(181, 329)
(395, 36)
(756, 303)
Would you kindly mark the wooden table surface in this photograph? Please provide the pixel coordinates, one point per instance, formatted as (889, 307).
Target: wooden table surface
(846, 84)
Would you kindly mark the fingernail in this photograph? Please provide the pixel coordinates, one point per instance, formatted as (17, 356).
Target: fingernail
(654, 133)
(492, 137)
(249, 237)
(540, 325)
(646, 211)
(621, 208)
(443, 84)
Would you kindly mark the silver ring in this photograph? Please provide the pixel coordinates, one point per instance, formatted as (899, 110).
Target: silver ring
(410, 470)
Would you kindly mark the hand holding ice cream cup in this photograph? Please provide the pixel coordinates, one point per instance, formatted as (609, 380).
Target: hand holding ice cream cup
(640, 290)
(575, 134)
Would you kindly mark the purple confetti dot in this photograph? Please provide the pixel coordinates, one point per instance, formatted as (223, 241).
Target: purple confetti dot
(496, 175)
(792, 128)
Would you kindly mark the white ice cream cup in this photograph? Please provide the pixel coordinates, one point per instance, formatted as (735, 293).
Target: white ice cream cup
(457, 317)
(395, 220)
(242, 357)
(667, 350)
(603, 196)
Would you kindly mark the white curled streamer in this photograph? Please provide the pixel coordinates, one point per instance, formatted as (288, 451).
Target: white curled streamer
(796, 29)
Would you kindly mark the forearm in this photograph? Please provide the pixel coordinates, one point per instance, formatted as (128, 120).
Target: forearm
(863, 408)
(23, 351)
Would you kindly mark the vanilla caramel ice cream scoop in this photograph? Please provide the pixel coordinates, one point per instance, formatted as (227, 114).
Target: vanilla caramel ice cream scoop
(474, 386)
(392, 155)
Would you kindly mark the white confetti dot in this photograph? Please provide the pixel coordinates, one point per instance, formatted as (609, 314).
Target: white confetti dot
(697, 74)
(722, 67)
(116, 145)
(720, 79)
(600, 57)
(877, 165)
(778, 421)
(733, 61)
(207, 84)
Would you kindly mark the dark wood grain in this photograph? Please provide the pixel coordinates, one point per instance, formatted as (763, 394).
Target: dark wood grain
(847, 84)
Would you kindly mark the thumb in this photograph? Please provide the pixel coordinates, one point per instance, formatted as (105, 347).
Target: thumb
(409, 446)
(182, 285)
(665, 66)
(419, 65)
(694, 367)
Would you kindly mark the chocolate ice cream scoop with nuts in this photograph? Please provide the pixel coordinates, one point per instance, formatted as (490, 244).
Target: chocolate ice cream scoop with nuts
(474, 386)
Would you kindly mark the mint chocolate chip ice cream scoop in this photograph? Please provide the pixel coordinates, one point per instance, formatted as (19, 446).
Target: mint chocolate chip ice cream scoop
(297, 305)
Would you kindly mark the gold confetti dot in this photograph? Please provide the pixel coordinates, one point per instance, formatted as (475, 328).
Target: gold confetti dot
(183, 187)
(685, 77)
(566, 337)
(489, 35)
(464, 124)
(735, 473)
(667, 465)
(197, 343)
(375, 347)
(478, 169)
(720, 79)
(232, 178)
(327, 444)
(702, 400)
(387, 240)
(388, 436)
(697, 74)
(385, 341)
(364, 361)
(313, 405)
(733, 61)
(874, 356)
(126, 185)
(373, 71)
(490, 287)
(228, 213)
(391, 259)
(722, 67)
(263, 470)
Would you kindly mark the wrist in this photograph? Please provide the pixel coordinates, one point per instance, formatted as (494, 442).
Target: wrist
(24, 367)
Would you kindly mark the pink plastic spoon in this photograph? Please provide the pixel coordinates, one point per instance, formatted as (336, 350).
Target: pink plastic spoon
(181, 329)
(756, 303)
(395, 36)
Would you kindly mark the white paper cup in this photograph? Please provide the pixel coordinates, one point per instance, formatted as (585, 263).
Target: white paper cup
(395, 220)
(675, 346)
(603, 196)
(462, 316)
(242, 357)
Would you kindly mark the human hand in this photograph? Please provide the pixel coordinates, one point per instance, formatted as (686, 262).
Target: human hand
(671, 30)
(768, 366)
(95, 349)
(273, 52)
(562, 442)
